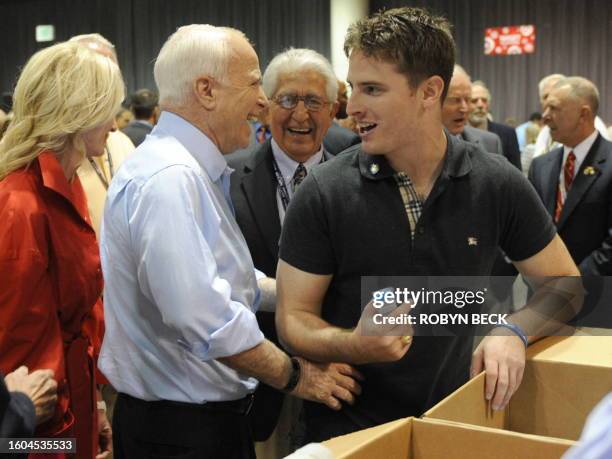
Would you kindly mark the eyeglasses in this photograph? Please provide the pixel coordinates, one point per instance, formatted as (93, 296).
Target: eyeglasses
(290, 101)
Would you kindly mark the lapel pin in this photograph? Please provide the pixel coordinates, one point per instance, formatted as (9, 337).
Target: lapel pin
(374, 168)
(472, 241)
(589, 170)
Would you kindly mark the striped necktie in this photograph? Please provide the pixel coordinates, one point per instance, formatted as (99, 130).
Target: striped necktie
(563, 189)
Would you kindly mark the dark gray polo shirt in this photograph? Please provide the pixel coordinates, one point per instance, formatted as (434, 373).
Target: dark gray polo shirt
(347, 221)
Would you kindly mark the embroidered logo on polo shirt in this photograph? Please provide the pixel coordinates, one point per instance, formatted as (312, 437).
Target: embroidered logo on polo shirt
(472, 241)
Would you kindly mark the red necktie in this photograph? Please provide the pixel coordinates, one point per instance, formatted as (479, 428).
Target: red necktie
(568, 178)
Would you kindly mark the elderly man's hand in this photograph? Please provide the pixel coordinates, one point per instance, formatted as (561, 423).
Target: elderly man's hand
(503, 359)
(328, 383)
(39, 386)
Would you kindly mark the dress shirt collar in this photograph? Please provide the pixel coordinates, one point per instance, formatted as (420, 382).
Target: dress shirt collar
(580, 150)
(288, 166)
(205, 152)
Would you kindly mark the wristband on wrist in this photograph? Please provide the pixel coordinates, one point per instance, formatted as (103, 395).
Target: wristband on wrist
(518, 331)
(294, 377)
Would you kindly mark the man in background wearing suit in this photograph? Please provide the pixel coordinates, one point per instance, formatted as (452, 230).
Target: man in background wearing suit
(456, 109)
(575, 180)
(481, 99)
(145, 105)
(302, 89)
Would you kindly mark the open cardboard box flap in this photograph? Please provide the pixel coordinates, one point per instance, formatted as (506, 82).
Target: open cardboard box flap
(554, 400)
(413, 438)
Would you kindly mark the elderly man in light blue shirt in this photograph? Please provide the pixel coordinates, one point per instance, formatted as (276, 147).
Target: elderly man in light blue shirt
(182, 344)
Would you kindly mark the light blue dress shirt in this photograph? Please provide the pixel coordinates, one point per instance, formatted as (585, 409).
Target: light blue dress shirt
(180, 286)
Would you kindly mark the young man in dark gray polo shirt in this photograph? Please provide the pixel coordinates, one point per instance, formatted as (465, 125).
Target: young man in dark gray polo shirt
(410, 201)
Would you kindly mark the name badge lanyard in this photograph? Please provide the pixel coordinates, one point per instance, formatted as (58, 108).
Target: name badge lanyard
(99, 172)
(282, 186)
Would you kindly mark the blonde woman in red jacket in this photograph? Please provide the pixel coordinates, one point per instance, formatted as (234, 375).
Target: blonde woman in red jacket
(64, 107)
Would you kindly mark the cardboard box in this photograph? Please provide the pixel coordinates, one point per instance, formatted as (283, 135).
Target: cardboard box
(413, 438)
(554, 399)
(587, 347)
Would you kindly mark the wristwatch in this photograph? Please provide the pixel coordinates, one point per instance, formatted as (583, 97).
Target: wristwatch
(294, 377)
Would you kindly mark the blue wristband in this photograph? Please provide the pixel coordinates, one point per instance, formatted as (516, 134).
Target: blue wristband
(517, 330)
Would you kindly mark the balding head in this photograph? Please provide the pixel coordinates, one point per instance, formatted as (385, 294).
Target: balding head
(456, 107)
(97, 43)
(570, 110)
(583, 90)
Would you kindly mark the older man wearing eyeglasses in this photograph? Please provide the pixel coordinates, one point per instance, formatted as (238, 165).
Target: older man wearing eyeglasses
(302, 89)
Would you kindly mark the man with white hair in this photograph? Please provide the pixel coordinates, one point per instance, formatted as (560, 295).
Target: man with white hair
(544, 142)
(182, 344)
(456, 109)
(575, 180)
(479, 118)
(302, 88)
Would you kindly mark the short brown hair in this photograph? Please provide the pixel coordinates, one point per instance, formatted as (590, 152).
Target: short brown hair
(420, 43)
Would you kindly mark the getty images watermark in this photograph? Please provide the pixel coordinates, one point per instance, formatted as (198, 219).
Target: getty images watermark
(387, 299)
(474, 305)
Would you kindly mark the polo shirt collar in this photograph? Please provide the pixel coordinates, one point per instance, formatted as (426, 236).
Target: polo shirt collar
(203, 150)
(457, 162)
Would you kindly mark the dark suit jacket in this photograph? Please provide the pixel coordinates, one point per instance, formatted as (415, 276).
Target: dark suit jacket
(253, 192)
(137, 131)
(17, 414)
(338, 139)
(487, 140)
(585, 224)
(509, 141)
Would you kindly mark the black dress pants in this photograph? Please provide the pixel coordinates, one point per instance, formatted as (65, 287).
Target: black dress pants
(166, 429)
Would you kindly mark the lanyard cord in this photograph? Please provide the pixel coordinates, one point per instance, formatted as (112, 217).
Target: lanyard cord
(282, 186)
(99, 173)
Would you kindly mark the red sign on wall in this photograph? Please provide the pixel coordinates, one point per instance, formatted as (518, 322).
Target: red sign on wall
(509, 40)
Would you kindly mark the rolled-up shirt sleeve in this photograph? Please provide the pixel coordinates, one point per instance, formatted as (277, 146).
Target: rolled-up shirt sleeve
(174, 225)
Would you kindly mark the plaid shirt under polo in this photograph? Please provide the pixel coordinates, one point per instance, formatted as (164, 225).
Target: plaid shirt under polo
(412, 203)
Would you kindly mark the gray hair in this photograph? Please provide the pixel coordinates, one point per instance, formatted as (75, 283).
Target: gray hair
(483, 86)
(295, 60)
(96, 41)
(547, 80)
(192, 50)
(582, 89)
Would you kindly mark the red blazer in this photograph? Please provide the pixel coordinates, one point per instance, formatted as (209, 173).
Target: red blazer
(50, 280)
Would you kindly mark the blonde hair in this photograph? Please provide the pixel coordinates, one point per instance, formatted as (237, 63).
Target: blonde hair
(63, 90)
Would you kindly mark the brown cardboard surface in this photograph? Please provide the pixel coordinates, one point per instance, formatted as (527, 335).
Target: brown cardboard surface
(430, 439)
(582, 349)
(387, 441)
(554, 400)
(468, 405)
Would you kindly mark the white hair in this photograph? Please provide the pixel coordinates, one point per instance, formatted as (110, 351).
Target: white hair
(297, 60)
(582, 89)
(483, 86)
(96, 41)
(192, 50)
(458, 70)
(548, 80)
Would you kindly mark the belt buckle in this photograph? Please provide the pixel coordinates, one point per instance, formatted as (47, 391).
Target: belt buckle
(250, 400)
